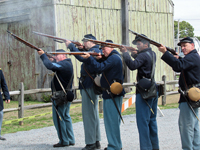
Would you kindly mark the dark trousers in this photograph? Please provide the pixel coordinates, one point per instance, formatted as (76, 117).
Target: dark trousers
(64, 126)
(146, 123)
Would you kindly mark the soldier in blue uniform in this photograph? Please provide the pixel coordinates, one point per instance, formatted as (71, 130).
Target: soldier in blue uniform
(64, 70)
(4, 88)
(146, 120)
(189, 66)
(90, 112)
(112, 70)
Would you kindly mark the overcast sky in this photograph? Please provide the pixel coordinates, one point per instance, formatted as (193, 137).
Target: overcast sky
(189, 11)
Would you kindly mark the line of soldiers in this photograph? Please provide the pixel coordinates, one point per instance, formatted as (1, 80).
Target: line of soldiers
(111, 69)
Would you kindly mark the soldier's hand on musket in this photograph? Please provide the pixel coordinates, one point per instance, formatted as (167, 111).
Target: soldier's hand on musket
(40, 52)
(134, 52)
(131, 49)
(98, 57)
(80, 46)
(67, 42)
(123, 49)
(51, 59)
(86, 55)
(162, 49)
(176, 56)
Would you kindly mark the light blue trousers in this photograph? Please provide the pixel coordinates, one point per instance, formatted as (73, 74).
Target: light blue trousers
(64, 126)
(1, 120)
(146, 123)
(90, 116)
(189, 127)
(112, 122)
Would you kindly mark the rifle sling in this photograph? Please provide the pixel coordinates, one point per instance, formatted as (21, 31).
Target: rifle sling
(68, 86)
(113, 98)
(186, 87)
(85, 90)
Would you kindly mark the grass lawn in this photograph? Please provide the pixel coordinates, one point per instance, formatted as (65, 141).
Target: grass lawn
(45, 121)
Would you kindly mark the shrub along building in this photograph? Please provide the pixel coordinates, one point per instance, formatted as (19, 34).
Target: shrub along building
(72, 19)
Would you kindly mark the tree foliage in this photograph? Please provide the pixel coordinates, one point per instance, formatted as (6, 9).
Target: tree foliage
(185, 29)
(198, 37)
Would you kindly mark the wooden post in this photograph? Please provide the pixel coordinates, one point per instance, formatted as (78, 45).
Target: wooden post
(125, 22)
(21, 103)
(164, 90)
(125, 35)
(101, 106)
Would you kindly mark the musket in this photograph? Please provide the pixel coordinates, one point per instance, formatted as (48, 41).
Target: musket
(76, 53)
(28, 44)
(57, 39)
(153, 42)
(112, 45)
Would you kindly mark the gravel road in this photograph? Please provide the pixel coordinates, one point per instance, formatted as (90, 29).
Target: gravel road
(44, 138)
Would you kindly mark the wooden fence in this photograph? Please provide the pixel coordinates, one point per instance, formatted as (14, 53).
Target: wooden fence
(22, 92)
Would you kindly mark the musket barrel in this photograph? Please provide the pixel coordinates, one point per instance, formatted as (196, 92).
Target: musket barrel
(49, 36)
(112, 45)
(153, 42)
(23, 41)
(57, 38)
(9, 32)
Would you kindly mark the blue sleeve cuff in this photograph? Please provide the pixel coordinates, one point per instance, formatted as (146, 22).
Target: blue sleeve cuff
(43, 56)
(166, 56)
(126, 55)
(72, 47)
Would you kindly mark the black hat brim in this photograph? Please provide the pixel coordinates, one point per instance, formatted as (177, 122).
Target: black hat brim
(184, 41)
(135, 41)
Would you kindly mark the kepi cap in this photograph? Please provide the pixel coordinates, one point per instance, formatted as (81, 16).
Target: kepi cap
(60, 50)
(88, 36)
(138, 38)
(104, 45)
(185, 40)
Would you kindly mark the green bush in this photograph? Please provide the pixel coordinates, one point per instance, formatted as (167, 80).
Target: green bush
(46, 98)
(29, 98)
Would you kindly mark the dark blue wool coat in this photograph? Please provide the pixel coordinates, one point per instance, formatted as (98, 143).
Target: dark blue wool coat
(64, 70)
(112, 68)
(4, 88)
(87, 82)
(190, 65)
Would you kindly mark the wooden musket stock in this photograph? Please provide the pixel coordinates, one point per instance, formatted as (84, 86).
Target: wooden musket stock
(76, 53)
(48, 54)
(153, 42)
(23, 41)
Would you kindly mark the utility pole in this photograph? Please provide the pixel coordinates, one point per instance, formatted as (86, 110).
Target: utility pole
(178, 32)
(125, 33)
(178, 36)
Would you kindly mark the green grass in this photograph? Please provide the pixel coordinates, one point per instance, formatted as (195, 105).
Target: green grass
(169, 106)
(45, 121)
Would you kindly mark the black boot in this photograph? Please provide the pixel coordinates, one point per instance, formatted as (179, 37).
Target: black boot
(106, 148)
(90, 147)
(98, 146)
(1, 138)
(59, 145)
